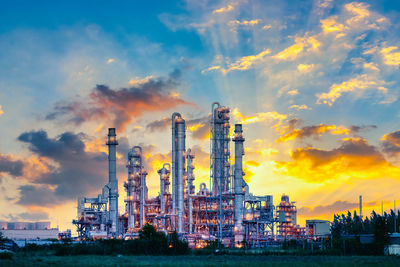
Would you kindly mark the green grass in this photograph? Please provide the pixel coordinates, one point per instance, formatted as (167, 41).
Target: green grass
(207, 260)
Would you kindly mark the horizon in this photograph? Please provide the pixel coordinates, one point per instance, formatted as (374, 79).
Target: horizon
(314, 83)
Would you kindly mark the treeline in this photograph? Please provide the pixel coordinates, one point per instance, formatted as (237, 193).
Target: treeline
(347, 231)
(150, 242)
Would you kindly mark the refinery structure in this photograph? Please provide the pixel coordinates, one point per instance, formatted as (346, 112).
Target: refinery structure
(225, 211)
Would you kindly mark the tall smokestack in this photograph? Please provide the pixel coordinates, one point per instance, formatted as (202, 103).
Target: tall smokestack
(112, 180)
(360, 206)
(178, 168)
(238, 182)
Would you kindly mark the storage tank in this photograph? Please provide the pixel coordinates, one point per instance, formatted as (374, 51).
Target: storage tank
(42, 225)
(20, 226)
(3, 225)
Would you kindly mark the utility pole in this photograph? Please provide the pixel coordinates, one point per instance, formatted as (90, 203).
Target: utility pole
(394, 217)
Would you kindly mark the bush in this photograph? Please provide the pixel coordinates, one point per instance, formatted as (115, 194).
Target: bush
(6, 255)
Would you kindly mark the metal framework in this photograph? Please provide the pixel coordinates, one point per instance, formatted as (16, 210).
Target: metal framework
(226, 211)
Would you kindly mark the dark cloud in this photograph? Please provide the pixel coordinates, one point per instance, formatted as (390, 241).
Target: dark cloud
(79, 173)
(355, 148)
(28, 216)
(315, 131)
(336, 207)
(159, 125)
(356, 129)
(120, 106)
(355, 157)
(199, 127)
(391, 143)
(11, 166)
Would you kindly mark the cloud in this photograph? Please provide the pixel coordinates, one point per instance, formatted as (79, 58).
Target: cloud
(28, 216)
(244, 22)
(159, 125)
(223, 9)
(267, 27)
(10, 165)
(244, 63)
(198, 127)
(1, 110)
(293, 92)
(336, 207)
(259, 117)
(73, 166)
(358, 84)
(305, 67)
(390, 57)
(110, 60)
(355, 158)
(314, 131)
(331, 25)
(300, 107)
(121, 106)
(307, 43)
(391, 143)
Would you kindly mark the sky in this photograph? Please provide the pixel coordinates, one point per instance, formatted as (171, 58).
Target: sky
(314, 83)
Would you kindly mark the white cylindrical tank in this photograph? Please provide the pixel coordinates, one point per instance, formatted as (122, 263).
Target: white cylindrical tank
(3, 225)
(42, 225)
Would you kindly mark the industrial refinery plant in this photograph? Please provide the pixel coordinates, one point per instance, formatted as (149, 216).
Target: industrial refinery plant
(227, 211)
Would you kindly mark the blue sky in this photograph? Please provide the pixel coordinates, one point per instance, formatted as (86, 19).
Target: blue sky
(315, 84)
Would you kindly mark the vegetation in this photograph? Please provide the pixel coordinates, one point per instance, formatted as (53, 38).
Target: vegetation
(203, 260)
(150, 242)
(346, 232)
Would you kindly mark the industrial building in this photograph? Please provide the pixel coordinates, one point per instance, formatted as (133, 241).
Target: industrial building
(318, 228)
(28, 230)
(227, 211)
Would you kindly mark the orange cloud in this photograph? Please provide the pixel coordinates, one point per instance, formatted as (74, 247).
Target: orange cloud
(308, 43)
(314, 130)
(300, 107)
(1, 110)
(246, 62)
(359, 83)
(223, 9)
(293, 92)
(390, 57)
(305, 67)
(120, 106)
(331, 25)
(259, 117)
(355, 158)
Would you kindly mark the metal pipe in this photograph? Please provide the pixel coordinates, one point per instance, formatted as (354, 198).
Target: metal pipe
(173, 170)
(164, 188)
(130, 190)
(142, 187)
(180, 166)
(238, 182)
(190, 177)
(112, 181)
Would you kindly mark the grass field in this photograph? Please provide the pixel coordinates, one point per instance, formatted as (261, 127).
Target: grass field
(211, 260)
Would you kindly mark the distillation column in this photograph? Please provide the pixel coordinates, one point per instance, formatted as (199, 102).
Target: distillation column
(190, 187)
(164, 188)
(112, 181)
(178, 168)
(220, 162)
(134, 188)
(130, 191)
(238, 182)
